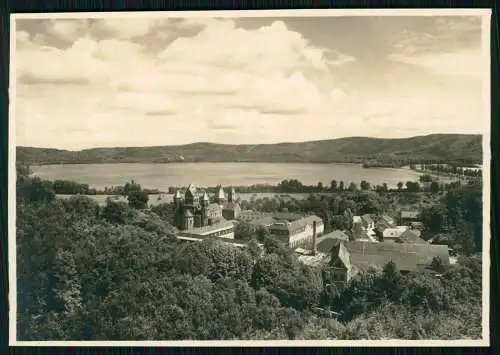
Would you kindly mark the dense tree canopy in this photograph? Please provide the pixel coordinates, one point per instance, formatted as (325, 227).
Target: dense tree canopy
(115, 272)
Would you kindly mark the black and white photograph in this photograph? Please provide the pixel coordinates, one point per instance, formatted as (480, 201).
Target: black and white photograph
(250, 177)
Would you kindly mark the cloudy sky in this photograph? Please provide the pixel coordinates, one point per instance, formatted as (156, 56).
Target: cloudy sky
(85, 83)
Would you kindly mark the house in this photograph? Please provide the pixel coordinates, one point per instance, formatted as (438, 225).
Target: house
(406, 217)
(299, 232)
(367, 222)
(416, 225)
(387, 220)
(410, 237)
(327, 241)
(348, 258)
(380, 227)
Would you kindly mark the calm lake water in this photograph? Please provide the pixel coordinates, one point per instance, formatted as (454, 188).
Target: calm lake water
(162, 176)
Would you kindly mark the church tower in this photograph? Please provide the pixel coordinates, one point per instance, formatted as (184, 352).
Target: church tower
(191, 196)
(204, 205)
(220, 197)
(188, 222)
(231, 195)
(177, 199)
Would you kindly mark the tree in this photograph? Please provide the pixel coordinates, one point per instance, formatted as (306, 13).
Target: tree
(341, 186)
(244, 231)
(434, 187)
(138, 199)
(400, 186)
(353, 187)
(365, 185)
(333, 185)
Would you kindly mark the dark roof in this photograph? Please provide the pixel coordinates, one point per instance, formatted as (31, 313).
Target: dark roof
(410, 237)
(191, 190)
(381, 226)
(326, 242)
(410, 257)
(336, 234)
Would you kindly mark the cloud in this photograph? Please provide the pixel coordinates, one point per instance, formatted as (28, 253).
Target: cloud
(116, 84)
(124, 28)
(67, 30)
(466, 63)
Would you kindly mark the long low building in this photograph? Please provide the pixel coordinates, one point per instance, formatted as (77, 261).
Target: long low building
(347, 258)
(221, 229)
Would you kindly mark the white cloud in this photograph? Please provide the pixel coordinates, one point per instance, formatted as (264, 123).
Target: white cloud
(125, 28)
(225, 84)
(67, 30)
(468, 63)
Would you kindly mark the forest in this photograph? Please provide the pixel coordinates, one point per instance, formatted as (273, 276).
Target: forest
(117, 272)
(430, 149)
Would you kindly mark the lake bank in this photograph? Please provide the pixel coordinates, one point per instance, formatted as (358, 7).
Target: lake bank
(164, 176)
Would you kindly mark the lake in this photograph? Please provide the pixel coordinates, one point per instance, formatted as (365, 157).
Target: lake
(162, 176)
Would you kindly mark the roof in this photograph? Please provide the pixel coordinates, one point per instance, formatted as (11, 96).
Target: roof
(178, 194)
(381, 226)
(336, 234)
(263, 221)
(222, 225)
(220, 192)
(188, 213)
(356, 219)
(205, 196)
(410, 257)
(411, 237)
(367, 218)
(410, 214)
(325, 244)
(312, 219)
(191, 190)
(394, 232)
(293, 226)
(387, 219)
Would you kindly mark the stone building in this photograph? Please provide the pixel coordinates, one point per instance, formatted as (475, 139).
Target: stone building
(194, 209)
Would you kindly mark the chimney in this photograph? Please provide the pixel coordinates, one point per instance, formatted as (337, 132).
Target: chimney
(314, 238)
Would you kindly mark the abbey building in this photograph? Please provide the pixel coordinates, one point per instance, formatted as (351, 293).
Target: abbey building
(196, 209)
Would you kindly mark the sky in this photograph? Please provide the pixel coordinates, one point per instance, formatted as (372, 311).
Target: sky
(84, 83)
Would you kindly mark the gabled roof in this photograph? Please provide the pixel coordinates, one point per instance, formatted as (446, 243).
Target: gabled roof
(178, 194)
(205, 196)
(410, 257)
(191, 190)
(188, 213)
(387, 219)
(356, 219)
(410, 237)
(340, 252)
(326, 242)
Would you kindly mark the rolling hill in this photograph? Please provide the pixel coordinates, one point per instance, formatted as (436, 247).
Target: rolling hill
(435, 147)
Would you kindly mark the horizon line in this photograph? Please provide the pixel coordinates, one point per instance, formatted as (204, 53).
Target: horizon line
(252, 144)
